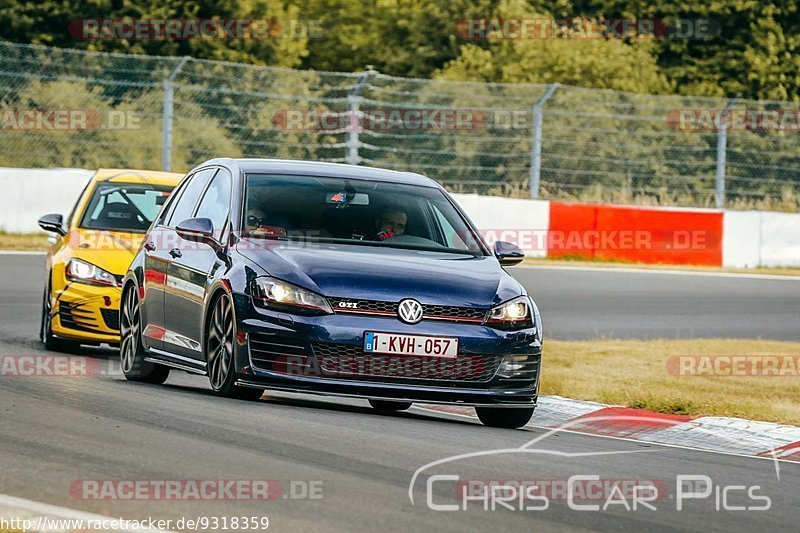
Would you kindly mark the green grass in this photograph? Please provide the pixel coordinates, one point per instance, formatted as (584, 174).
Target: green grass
(23, 241)
(634, 373)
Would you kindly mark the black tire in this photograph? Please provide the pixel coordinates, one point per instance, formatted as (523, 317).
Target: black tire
(50, 341)
(131, 351)
(218, 351)
(504, 417)
(389, 405)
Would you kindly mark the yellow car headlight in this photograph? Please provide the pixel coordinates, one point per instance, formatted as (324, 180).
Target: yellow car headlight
(83, 272)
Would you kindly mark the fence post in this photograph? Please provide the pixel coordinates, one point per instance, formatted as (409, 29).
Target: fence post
(722, 145)
(354, 104)
(536, 145)
(167, 115)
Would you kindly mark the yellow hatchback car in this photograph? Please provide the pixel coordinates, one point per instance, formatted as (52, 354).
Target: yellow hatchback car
(91, 253)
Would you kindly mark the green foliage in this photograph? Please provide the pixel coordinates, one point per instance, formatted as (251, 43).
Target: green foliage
(131, 146)
(598, 145)
(755, 55)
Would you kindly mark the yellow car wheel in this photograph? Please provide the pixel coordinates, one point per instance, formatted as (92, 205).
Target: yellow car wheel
(131, 351)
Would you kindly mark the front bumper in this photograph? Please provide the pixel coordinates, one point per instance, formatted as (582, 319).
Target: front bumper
(324, 355)
(87, 313)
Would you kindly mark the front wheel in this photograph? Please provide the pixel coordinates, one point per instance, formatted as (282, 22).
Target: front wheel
(219, 353)
(131, 351)
(504, 417)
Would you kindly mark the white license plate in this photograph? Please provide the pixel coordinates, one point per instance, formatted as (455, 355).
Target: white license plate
(395, 344)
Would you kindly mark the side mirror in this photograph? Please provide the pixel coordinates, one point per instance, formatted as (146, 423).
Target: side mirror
(53, 223)
(198, 230)
(508, 254)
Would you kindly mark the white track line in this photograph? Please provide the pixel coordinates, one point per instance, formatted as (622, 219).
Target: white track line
(671, 272)
(21, 252)
(54, 513)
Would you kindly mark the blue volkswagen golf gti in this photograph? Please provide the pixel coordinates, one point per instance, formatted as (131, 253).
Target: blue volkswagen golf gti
(330, 279)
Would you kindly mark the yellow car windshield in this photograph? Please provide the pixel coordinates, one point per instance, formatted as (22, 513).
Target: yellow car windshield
(124, 207)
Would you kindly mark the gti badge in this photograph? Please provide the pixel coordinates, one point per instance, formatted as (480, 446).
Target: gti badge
(410, 311)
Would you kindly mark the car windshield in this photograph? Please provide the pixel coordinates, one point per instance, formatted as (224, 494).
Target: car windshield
(124, 207)
(355, 211)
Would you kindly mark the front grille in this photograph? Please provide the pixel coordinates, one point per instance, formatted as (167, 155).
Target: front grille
(73, 317)
(342, 360)
(111, 318)
(363, 306)
(431, 312)
(456, 313)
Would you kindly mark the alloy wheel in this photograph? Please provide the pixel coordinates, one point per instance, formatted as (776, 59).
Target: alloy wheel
(129, 331)
(219, 346)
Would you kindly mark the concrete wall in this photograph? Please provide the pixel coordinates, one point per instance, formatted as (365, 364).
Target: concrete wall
(521, 222)
(27, 194)
(741, 243)
(780, 239)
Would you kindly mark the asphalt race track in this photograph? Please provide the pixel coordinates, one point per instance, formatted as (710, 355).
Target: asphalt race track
(59, 430)
(648, 304)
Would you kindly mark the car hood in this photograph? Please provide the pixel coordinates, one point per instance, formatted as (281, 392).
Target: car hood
(110, 250)
(387, 274)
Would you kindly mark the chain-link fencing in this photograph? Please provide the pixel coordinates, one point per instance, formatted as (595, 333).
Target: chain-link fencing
(70, 108)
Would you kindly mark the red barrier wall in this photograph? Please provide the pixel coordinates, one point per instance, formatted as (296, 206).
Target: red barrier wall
(642, 235)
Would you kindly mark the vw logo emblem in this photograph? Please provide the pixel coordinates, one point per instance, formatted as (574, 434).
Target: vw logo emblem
(409, 311)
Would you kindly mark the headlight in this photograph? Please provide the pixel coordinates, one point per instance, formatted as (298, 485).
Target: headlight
(83, 272)
(514, 314)
(280, 295)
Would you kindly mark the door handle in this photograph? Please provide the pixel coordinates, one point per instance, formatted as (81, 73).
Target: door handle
(175, 252)
(149, 246)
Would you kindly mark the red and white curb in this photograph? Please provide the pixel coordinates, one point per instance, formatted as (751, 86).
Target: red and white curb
(713, 433)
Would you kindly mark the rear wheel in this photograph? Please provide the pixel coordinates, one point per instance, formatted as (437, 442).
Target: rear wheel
(389, 405)
(504, 417)
(219, 353)
(51, 342)
(131, 351)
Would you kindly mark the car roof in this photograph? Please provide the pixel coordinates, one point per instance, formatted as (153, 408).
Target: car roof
(151, 177)
(324, 169)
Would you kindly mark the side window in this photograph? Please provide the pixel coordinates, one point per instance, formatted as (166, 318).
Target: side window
(166, 212)
(216, 200)
(184, 207)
